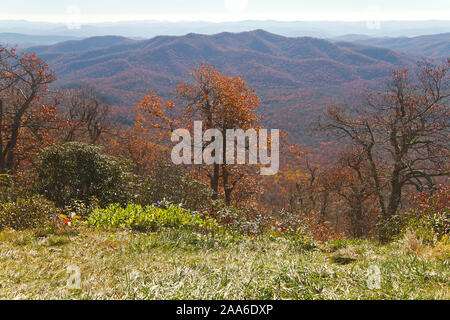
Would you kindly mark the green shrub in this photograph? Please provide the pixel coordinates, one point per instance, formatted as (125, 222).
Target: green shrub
(429, 218)
(77, 171)
(303, 241)
(149, 218)
(171, 183)
(395, 227)
(13, 187)
(29, 213)
(432, 212)
(5, 188)
(337, 244)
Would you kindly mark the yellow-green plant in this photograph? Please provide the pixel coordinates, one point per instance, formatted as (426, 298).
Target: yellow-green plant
(150, 218)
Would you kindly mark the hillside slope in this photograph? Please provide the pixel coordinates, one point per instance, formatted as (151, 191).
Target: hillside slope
(436, 46)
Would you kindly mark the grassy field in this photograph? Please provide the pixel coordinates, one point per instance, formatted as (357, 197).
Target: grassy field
(185, 265)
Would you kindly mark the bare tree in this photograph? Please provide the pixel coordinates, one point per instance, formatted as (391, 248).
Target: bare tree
(350, 179)
(85, 113)
(403, 132)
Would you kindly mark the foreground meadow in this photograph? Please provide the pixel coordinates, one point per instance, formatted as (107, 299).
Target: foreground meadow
(177, 264)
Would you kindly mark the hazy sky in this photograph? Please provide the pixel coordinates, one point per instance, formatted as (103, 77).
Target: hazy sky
(223, 10)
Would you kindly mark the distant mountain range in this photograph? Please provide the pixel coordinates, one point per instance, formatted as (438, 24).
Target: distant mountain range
(295, 77)
(148, 29)
(265, 59)
(435, 46)
(26, 40)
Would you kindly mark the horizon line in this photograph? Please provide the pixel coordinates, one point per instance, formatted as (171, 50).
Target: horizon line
(224, 21)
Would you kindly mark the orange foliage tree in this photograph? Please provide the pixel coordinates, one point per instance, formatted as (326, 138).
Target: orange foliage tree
(24, 119)
(221, 102)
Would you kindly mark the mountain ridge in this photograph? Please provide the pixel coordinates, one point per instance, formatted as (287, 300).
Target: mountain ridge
(296, 77)
(224, 50)
(436, 46)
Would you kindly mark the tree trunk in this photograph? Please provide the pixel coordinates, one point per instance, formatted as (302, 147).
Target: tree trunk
(215, 181)
(396, 192)
(11, 145)
(226, 186)
(358, 215)
(376, 179)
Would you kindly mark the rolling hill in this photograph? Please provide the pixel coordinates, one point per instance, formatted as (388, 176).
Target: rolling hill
(296, 77)
(436, 46)
(265, 59)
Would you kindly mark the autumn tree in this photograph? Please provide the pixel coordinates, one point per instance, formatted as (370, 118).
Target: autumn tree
(402, 132)
(156, 117)
(221, 102)
(85, 114)
(24, 119)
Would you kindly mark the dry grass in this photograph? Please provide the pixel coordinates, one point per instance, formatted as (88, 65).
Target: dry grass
(174, 265)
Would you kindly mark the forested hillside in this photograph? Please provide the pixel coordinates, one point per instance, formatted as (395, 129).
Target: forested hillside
(296, 77)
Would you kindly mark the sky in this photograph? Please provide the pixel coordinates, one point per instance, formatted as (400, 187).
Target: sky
(92, 11)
